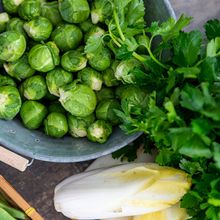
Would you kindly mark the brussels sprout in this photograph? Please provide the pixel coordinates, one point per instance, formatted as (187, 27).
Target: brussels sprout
(56, 107)
(78, 126)
(95, 31)
(99, 131)
(12, 46)
(67, 36)
(105, 93)
(4, 19)
(124, 70)
(100, 61)
(11, 6)
(50, 11)
(32, 114)
(19, 69)
(109, 75)
(34, 88)
(73, 61)
(55, 125)
(39, 29)
(105, 111)
(29, 9)
(16, 24)
(78, 99)
(75, 11)
(6, 81)
(86, 26)
(101, 11)
(10, 102)
(134, 96)
(44, 57)
(91, 78)
(57, 78)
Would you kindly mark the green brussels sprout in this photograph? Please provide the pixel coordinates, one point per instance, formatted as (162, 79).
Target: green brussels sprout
(57, 78)
(100, 61)
(34, 88)
(99, 131)
(73, 61)
(78, 125)
(32, 114)
(50, 11)
(10, 102)
(29, 9)
(19, 69)
(86, 26)
(12, 46)
(91, 78)
(44, 57)
(124, 70)
(75, 11)
(105, 93)
(101, 11)
(78, 99)
(11, 6)
(56, 107)
(39, 29)
(55, 125)
(95, 31)
(4, 19)
(67, 36)
(109, 75)
(16, 24)
(6, 81)
(135, 97)
(105, 111)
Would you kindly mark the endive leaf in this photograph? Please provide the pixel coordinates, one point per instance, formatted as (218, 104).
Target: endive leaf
(124, 190)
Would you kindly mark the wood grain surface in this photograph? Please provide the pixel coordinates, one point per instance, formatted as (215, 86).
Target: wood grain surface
(38, 182)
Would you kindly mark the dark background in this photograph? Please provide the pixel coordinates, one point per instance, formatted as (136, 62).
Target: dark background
(37, 183)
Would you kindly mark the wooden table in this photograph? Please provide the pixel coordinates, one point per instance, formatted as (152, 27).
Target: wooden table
(38, 182)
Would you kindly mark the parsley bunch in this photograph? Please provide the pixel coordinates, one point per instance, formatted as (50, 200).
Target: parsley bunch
(182, 118)
(181, 73)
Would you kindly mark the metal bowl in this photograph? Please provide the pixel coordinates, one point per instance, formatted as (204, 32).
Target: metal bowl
(35, 144)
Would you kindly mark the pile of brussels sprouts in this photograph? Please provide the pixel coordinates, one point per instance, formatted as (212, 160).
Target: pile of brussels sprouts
(48, 80)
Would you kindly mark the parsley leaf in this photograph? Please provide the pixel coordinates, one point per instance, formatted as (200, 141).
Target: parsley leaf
(187, 48)
(212, 29)
(170, 28)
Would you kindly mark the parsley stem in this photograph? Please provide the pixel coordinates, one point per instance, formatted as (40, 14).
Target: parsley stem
(152, 55)
(155, 59)
(113, 37)
(197, 64)
(138, 57)
(118, 25)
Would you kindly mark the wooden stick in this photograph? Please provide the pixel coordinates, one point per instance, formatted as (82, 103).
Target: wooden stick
(18, 200)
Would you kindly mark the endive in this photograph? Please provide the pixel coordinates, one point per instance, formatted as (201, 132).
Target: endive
(120, 191)
(172, 213)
